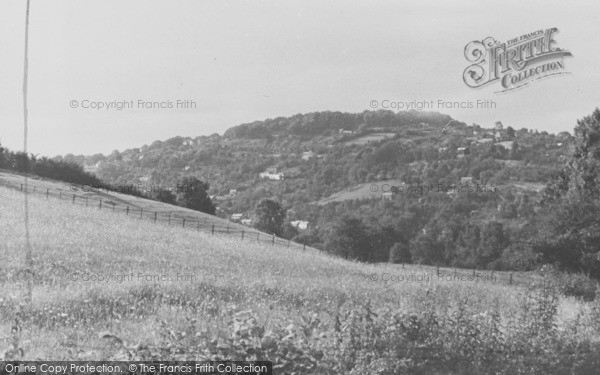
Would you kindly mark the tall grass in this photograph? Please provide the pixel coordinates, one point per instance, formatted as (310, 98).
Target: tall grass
(306, 312)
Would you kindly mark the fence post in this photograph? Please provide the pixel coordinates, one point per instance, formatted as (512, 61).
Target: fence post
(86, 201)
(127, 211)
(114, 207)
(242, 235)
(402, 265)
(169, 219)
(60, 195)
(141, 213)
(21, 188)
(212, 230)
(257, 236)
(228, 229)
(303, 247)
(184, 222)
(288, 243)
(510, 281)
(198, 227)
(100, 205)
(438, 270)
(34, 189)
(473, 272)
(273, 238)
(47, 192)
(155, 217)
(73, 198)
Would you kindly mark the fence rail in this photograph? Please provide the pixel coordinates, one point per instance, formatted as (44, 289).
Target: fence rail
(156, 217)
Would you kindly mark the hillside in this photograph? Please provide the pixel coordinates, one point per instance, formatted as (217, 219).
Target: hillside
(107, 286)
(320, 166)
(137, 207)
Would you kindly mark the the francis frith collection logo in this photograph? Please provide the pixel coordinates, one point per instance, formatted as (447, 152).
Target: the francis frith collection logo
(515, 63)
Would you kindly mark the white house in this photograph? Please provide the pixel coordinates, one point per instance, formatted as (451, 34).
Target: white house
(387, 196)
(300, 224)
(343, 131)
(272, 174)
(233, 192)
(236, 217)
(306, 155)
(246, 221)
(92, 168)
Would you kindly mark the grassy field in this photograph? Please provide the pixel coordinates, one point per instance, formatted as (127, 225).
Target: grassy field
(86, 195)
(374, 137)
(108, 286)
(362, 191)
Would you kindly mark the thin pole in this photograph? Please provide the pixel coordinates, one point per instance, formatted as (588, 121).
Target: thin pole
(28, 251)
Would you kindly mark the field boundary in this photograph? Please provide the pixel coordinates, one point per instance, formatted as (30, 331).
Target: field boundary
(157, 217)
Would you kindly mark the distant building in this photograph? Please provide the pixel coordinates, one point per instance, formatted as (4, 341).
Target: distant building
(387, 196)
(246, 221)
(92, 168)
(466, 180)
(233, 192)
(145, 178)
(300, 224)
(272, 174)
(343, 131)
(442, 149)
(307, 155)
(237, 217)
(499, 125)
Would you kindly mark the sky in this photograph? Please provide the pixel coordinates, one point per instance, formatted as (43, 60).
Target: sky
(242, 61)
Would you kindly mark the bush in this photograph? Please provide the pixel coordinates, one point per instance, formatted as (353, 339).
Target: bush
(400, 253)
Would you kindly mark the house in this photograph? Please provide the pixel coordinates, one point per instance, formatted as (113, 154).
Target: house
(307, 155)
(272, 174)
(187, 168)
(461, 152)
(246, 221)
(92, 168)
(232, 192)
(342, 131)
(145, 178)
(236, 217)
(300, 224)
(387, 196)
(442, 149)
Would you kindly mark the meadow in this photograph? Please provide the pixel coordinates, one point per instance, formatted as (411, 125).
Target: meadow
(108, 286)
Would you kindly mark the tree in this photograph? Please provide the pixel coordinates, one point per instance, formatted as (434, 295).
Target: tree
(269, 216)
(569, 233)
(510, 132)
(193, 193)
(400, 253)
(349, 238)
